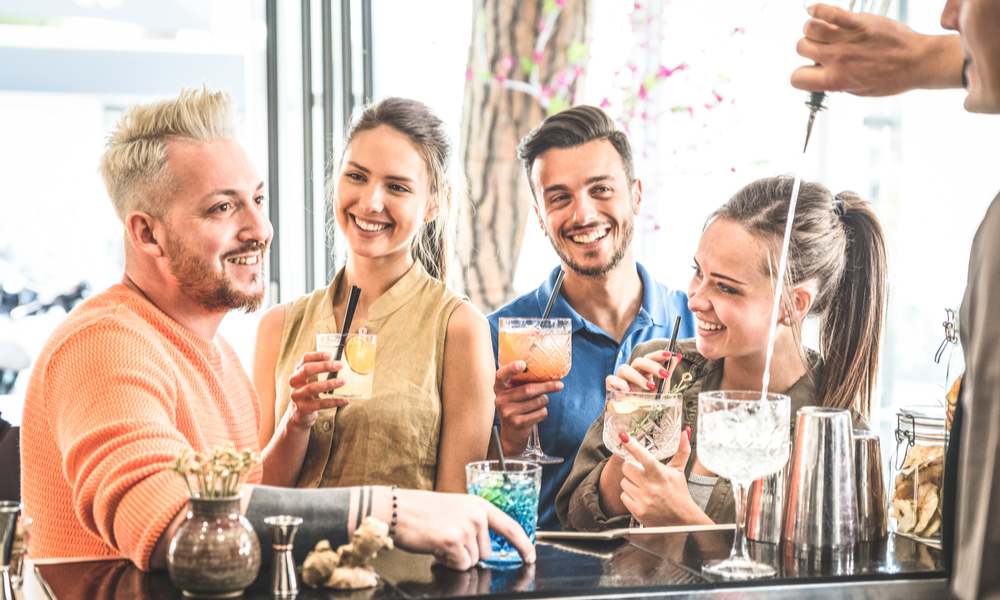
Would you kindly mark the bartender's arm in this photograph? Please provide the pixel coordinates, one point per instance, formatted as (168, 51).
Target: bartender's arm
(869, 55)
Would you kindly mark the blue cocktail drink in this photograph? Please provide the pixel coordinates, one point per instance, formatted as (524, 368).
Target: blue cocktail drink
(514, 491)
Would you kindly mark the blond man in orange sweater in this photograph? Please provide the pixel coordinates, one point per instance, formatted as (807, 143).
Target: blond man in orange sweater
(138, 374)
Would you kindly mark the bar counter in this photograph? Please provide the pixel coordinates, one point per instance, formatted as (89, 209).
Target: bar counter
(636, 566)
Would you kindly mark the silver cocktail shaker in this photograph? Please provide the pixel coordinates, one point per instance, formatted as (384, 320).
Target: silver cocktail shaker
(765, 502)
(821, 511)
(870, 487)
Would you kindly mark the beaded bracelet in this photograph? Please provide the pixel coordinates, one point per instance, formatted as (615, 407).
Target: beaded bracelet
(395, 505)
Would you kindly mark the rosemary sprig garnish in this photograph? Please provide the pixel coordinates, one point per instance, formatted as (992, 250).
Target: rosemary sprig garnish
(656, 414)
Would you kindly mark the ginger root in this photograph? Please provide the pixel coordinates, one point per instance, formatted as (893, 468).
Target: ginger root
(349, 567)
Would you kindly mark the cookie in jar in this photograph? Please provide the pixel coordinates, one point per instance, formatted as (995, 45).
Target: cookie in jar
(918, 470)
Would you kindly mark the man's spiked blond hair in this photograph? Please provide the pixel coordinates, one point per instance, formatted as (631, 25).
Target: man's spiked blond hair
(134, 166)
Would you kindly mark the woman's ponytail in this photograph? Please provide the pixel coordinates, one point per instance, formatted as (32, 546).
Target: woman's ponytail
(851, 330)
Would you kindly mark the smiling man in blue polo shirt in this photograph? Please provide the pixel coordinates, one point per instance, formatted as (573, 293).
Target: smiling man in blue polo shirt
(586, 197)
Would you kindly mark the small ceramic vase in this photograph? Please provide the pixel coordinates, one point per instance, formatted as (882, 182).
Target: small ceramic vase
(215, 552)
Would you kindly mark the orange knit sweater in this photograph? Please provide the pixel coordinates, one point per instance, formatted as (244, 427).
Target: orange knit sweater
(118, 391)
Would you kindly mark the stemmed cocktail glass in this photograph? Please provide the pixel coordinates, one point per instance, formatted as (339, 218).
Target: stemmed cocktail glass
(545, 346)
(742, 436)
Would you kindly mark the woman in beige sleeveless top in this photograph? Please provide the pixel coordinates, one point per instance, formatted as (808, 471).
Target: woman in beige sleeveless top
(432, 399)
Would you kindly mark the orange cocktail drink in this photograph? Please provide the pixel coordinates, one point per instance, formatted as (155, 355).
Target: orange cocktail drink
(359, 363)
(545, 346)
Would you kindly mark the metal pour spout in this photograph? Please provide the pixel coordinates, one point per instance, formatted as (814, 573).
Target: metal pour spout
(815, 104)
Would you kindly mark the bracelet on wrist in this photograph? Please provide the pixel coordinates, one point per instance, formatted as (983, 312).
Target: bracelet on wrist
(395, 506)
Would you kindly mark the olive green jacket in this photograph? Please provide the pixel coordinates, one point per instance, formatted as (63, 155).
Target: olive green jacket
(578, 503)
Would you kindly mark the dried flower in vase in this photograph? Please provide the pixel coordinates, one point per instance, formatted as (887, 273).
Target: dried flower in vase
(219, 475)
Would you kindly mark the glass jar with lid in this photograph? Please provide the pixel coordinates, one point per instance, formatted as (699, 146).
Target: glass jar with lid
(917, 469)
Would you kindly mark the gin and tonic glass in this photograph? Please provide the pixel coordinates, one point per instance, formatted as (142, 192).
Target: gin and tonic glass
(546, 347)
(359, 360)
(742, 436)
(654, 422)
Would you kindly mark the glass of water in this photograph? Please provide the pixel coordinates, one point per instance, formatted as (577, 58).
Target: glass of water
(742, 436)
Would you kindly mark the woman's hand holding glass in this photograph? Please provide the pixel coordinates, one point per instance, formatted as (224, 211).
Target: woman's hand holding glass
(644, 372)
(308, 382)
(656, 494)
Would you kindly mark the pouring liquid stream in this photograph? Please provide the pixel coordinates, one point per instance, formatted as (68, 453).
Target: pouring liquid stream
(782, 263)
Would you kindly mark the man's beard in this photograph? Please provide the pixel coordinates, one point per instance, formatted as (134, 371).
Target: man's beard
(214, 291)
(601, 270)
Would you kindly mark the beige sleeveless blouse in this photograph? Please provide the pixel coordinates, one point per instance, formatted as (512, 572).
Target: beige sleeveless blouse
(392, 437)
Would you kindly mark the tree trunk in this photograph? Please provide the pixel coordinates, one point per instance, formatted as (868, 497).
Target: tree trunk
(510, 87)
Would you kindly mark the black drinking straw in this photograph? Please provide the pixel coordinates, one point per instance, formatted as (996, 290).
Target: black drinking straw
(352, 304)
(555, 292)
(670, 349)
(552, 300)
(496, 438)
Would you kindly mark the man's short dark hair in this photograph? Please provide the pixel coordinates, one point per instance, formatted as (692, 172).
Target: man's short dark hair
(571, 128)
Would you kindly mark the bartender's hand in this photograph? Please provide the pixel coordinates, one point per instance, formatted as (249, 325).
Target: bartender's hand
(869, 55)
(519, 406)
(306, 402)
(455, 528)
(657, 494)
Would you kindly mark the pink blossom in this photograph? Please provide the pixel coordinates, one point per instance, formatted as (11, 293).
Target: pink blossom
(644, 115)
(500, 77)
(643, 93)
(690, 110)
(538, 56)
(546, 92)
(578, 71)
(468, 73)
(506, 63)
(733, 169)
(656, 226)
(560, 80)
(637, 6)
(664, 72)
(561, 3)
(717, 96)
(739, 30)
(605, 103)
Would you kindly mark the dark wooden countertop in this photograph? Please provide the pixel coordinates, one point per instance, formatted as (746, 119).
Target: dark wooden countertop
(639, 566)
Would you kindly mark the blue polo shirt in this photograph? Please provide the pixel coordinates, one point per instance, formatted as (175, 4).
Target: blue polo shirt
(595, 356)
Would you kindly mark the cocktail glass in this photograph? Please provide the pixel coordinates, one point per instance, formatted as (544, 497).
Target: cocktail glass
(546, 347)
(359, 360)
(513, 490)
(22, 539)
(742, 436)
(654, 422)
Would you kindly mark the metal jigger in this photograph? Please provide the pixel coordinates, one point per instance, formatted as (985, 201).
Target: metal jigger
(9, 512)
(283, 528)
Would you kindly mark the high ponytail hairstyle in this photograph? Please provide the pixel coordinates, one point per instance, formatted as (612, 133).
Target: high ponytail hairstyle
(837, 241)
(433, 244)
